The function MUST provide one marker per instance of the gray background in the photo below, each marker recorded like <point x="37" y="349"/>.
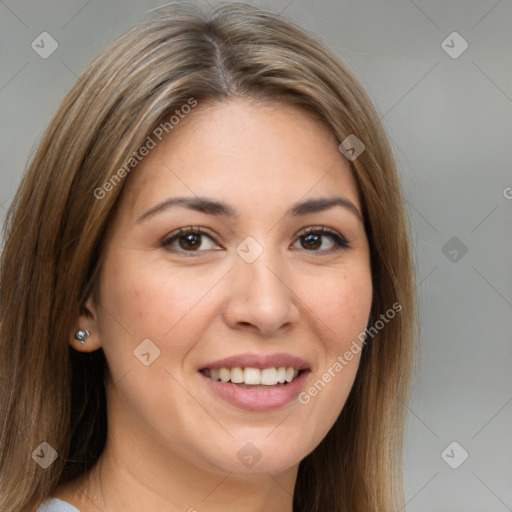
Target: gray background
<point x="449" y="121"/>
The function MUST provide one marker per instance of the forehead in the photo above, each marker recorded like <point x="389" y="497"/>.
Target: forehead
<point x="257" y="155"/>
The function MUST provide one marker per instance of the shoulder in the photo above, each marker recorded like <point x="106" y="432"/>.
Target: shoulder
<point x="56" y="505"/>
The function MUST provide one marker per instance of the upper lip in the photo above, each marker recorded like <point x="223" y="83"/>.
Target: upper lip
<point x="259" y="361"/>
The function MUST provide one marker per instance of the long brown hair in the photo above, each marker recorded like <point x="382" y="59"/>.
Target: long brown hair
<point x="56" y="225"/>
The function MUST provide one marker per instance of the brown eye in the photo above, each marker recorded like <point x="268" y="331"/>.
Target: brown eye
<point x="312" y="241"/>
<point x="314" y="238"/>
<point x="188" y="240"/>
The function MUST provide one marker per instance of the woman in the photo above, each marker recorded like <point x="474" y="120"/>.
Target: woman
<point x="207" y="290"/>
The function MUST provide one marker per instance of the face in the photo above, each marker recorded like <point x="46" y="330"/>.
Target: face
<point x="249" y="273"/>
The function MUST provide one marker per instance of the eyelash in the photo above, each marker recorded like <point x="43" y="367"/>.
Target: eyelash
<point x="340" y="242"/>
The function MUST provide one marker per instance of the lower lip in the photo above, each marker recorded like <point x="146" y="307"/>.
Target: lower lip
<point x="258" y="399"/>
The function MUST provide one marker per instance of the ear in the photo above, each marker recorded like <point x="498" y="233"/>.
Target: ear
<point x="86" y="320"/>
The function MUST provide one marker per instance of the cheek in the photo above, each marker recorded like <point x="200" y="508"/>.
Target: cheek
<point x="152" y="301"/>
<point x="342" y="306"/>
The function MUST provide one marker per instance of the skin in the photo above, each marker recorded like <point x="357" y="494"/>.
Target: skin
<point x="172" y="444"/>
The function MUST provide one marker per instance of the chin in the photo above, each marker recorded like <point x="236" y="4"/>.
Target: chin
<point x="263" y="454"/>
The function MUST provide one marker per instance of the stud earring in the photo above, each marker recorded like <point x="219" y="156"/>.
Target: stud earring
<point x="81" y="335"/>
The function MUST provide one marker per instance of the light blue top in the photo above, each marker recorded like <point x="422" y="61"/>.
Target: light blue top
<point x="56" y="505"/>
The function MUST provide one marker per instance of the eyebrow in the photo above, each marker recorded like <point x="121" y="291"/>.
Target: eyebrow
<point x="213" y="207"/>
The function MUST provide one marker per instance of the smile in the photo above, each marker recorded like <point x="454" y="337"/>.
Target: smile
<point x="253" y="378"/>
<point x="255" y="397"/>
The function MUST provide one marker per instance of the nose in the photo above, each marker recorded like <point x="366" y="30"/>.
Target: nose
<point x="261" y="296"/>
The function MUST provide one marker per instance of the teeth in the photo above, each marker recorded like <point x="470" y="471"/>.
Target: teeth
<point x="237" y="375"/>
<point x="269" y="376"/>
<point x="224" y="374"/>
<point x="253" y="376"/>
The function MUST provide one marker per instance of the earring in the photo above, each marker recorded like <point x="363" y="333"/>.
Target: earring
<point x="81" y="335"/>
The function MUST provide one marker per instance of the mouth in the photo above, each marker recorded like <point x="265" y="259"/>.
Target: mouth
<point x="256" y="382"/>
<point x="254" y="378"/>
<point x="255" y="389"/>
